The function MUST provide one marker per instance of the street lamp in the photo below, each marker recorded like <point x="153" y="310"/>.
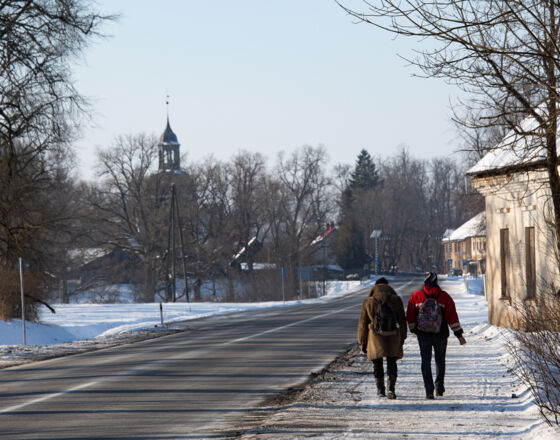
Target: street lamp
<point x="376" y="234"/>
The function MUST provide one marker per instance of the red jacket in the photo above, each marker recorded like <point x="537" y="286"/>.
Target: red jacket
<point x="446" y="304"/>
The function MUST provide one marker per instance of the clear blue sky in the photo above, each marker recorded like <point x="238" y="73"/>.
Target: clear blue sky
<point x="258" y="75"/>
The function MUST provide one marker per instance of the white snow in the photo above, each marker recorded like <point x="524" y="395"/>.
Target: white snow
<point x="73" y="322"/>
<point x="474" y="227"/>
<point x="482" y="400"/>
<point x="518" y="147"/>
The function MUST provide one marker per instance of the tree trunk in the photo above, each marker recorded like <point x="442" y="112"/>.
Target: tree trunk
<point x="554" y="181"/>
<point x="551" y="147"/>
<point x="149" y="283"/>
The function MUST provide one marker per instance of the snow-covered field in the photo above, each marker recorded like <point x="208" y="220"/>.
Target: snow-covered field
<point x="74" y="322"/>
<point x="483" y="400"/>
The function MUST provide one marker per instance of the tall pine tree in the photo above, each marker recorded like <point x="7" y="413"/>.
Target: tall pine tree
<point x="348" y="247"/>
<point x="365" y="175"/>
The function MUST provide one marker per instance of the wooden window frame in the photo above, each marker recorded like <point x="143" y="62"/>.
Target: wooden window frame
<point x="530" y="263"/>
<point x="504" y="262"/>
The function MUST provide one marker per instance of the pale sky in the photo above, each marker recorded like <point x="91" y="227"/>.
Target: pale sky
<point x="258" y="75"/>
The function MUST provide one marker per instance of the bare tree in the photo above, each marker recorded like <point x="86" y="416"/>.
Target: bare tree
<point x="39" y="111"/>
<point x="207" y="221"/>
<point x="299" y="206"/>
<point x="401" y="209"/>
<point x="131" y="205"/>
<point x="341" y="179"/>
<point x="504" y="54"/>
<point x="247" y="173"/>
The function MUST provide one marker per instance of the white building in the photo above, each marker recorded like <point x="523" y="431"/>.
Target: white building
<point x="521" y="257"/>
<point x="465" y="247"/>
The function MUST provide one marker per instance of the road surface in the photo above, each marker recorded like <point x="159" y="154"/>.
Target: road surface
<point x="196" y="384"/>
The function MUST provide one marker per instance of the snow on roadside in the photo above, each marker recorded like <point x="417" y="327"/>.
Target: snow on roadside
<point x="483" y="401"/>
<point x="76" y="322"/>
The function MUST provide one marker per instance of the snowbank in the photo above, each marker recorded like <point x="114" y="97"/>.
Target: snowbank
<point x="73" y="322"/>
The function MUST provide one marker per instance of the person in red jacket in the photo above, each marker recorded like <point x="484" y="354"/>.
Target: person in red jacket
<point x="434" y="340"/>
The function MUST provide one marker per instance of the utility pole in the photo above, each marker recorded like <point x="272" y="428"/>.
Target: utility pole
<point x="22" y="300"/>
<point x="175" y="222"/>
<point x="172" y="212"/>
<point x="182" y="244"/>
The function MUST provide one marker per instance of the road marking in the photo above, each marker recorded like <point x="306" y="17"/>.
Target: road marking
<point x="404" y="285"/>
<point x="245" y="338"/>
<point x="50" y="396"/>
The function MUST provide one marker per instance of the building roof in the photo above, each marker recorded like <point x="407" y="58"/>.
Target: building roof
<point x="447" y="234"/>
<point x="329" y="230"/>
<point x="168" y="137"/>
<point x="518" y="149"/>
<point x="475" y="227"/>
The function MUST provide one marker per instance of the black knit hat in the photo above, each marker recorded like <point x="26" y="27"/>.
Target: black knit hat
<point x="431" y="279"/>
<point x="381" y="280"/>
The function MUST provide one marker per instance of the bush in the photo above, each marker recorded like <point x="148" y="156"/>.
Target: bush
<point x="536" y="351"/>
<point x="10" y="294"/>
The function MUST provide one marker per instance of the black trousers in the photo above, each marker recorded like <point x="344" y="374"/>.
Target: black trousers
<point x="437" y="344"/>
<point x="391" y="367"/>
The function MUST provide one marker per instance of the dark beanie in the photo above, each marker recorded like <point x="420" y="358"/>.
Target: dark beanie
<point x="431" y="279"/>
<point x="381" y="280"/>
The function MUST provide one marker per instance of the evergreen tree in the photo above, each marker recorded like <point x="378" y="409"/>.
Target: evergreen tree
<point x="348" y="247"/>
<point x="365" y="175"/>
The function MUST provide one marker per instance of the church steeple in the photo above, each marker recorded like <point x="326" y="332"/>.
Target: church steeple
<point x="168" y="148"/>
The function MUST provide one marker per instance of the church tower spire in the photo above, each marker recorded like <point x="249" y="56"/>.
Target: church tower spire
<point x="168" y="148"/>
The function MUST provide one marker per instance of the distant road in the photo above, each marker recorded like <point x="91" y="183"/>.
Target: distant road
<point x="191" y="385"/>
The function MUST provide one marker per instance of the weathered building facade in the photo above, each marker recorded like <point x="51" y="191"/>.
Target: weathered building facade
<point x="521" y="256"/>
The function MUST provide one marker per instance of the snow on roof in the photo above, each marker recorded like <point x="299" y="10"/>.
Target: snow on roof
<point x="475" y="227"/>
<point x="447" y="233"/>
<point x="330" y="229"/>
<point x="518" y="147"/>
<point x="87" y="255"/>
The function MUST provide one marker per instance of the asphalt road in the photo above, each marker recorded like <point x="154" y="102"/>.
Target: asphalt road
<point x="196" y="384"/>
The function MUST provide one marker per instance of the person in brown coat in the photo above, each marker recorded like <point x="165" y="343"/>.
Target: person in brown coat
<point x="377" y="346"/>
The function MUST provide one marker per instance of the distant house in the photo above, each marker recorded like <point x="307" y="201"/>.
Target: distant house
<point x="321" y="248"/>
<point x="321" y="256"/>
<point x="465" y="247"/>
<point x="521" y="256"/>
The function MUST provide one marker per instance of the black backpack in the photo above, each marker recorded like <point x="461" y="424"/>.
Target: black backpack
<point x="385" y="321"/>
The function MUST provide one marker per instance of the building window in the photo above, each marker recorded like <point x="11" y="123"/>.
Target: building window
<point x="530" y="273"/>
<point x="504" y="261"/>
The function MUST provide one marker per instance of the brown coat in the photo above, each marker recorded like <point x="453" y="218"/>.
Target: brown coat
<point x="381" y="346"/>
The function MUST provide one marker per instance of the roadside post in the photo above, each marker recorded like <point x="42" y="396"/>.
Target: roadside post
<point x="161" y="313"/>
<point x="283" y="274"/>
<point x="22" y="300"/>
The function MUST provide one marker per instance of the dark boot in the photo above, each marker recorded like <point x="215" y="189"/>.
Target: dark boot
<point x="391" y="381"/>
<point x="380" y="386"/>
